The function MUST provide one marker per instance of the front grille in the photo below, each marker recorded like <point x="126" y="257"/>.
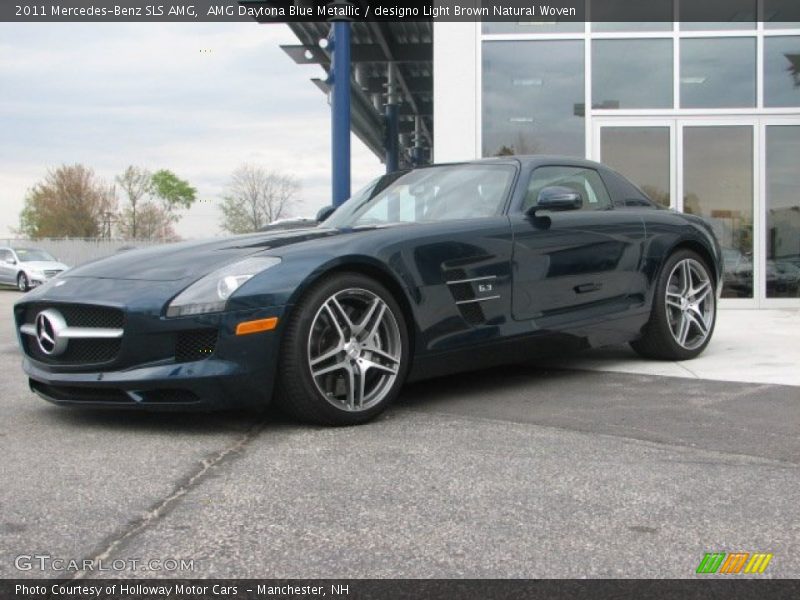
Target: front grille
<point x="195" y="344"/>
<point x="82" y="351"/>
<point x="81" y="315"/>
<point x="78" y="352"/>
<point x="52" y="272"/>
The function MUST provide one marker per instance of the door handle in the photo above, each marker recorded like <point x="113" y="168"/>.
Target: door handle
<point x="587" y="287"/>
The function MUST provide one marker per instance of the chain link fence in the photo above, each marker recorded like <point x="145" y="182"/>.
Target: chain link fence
<point x="74" y="251"/>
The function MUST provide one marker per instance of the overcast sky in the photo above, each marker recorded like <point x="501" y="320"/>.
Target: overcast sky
<point x="198" y="99"/>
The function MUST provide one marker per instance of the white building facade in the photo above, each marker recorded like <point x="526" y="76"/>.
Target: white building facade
<point x="703" y="116"/>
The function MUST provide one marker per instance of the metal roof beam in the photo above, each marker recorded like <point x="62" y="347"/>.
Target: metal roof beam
<point x="377" y="85"/>
<point x="305" y="54"/>
<point x="381" y="34"/>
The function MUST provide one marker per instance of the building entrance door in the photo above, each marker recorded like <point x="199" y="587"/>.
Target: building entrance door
<point x="734" y="172"/>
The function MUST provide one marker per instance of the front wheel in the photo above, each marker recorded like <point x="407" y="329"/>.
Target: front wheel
<point x="344" y="354"/>
<point x="684" y="310"/>
<point x="23" y="285"/>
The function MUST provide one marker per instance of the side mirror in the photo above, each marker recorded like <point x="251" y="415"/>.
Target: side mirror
<point x="557" y="198"/>
<point x="11" y="261"/>
<point x="324" y="213"/>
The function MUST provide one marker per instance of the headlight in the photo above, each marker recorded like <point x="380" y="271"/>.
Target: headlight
<point x="209" y="294"/>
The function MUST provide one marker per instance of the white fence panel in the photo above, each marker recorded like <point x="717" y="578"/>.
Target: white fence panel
<point x="73" y="252"/>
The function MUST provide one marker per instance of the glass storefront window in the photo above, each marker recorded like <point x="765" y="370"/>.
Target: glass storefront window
<point x="782" y="71"/>
<point x="519" y="27"/>
<point x="718" y="72"/>
<point x="632" y="74"/>
<point x="706" y="15"/>
<point x="634" y="15"/>
<point x="718" y="186"/>
<point x="781" y="14"/>
<point x="642" y="154"/>
<point x="533" y="98"/>
<point x="632" y="26"/>
<point x="783" y="212"/>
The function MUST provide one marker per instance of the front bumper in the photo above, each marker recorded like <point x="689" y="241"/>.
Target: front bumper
<point x="209" y="384"/>
<point x="240" y="372"/>
<point x="37" y="279"/>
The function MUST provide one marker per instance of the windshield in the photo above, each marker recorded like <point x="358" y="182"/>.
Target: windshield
<point x="447" y="193"/>
<point x="31" y="254"/>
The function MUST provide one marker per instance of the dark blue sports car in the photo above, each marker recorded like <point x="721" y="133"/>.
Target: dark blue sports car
<point x="449" y="268"/>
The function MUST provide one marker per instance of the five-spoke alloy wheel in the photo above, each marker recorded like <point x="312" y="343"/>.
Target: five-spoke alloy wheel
<point x="354" y="349"/>
<point x="690" y="303"/>
<point x="345" y="352"/>
<point x="684" y="309"/>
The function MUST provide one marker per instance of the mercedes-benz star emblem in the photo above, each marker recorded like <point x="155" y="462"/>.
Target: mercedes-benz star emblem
<point x="49" y="326"/>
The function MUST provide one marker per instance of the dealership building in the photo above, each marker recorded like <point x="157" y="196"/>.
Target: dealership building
<point x="704" y="116"/>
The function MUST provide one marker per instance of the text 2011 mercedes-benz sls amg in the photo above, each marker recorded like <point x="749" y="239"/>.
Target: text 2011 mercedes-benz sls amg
<point x="448" y="268"/>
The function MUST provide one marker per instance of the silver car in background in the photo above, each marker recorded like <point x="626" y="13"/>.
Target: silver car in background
<point x="25" y="268"/>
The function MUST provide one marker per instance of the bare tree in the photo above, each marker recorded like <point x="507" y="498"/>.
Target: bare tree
<point x="256" y="197"/>
<point x="136" y="183"/>
<point x="154" y="223"/>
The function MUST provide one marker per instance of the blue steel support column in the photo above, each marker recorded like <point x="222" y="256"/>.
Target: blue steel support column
<point x="340" y="112"/>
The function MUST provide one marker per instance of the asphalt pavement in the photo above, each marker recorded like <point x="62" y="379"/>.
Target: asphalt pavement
<point x="522" y="471"/>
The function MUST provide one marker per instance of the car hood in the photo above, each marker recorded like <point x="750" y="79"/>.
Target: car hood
<point x="190" y="260"/>
<point x="44" y="265"/>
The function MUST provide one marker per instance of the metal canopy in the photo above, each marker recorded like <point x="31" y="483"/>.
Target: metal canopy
<point x="375" y="48"/>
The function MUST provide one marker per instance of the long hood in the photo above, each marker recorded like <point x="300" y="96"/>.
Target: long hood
<point x="189" y="260"/>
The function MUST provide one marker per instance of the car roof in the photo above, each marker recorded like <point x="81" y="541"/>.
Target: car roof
<point x="528" y="160"/>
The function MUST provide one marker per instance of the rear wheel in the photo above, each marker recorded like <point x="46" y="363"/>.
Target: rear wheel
<point x="345" y="352"/>
<point x="684" y="310"/>
<point x="23" y="285"/>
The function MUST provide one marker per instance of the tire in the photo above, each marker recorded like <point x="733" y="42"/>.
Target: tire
<point x="683" y="316"/>
<point x="348" y="370"/>
<point x="23" y="285"/>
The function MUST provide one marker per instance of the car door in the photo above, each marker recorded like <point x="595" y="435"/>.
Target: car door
<point x="460" y="257"/>
<point x="573" y="265"/>
<point x="6" y="267"/>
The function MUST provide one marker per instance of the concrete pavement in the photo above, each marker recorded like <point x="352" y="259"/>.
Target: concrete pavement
<point x="523" y="471"/>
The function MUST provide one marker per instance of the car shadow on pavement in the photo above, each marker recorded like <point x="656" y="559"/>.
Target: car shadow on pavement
<point x="494" y="383"/>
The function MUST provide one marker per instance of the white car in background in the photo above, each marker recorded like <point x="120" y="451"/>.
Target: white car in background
<point x="25" y="268"/>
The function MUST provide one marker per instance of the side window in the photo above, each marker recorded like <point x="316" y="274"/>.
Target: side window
<point x="5" y="255"/>
<point x="397" y="206"/>
<point x="626" y="194"/>
<point x="586" y="181"/>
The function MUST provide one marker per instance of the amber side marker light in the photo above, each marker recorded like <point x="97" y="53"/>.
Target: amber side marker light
<point x="257" y="326"/>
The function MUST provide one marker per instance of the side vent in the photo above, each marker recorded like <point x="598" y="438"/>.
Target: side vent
<point x="463" y="292"/>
